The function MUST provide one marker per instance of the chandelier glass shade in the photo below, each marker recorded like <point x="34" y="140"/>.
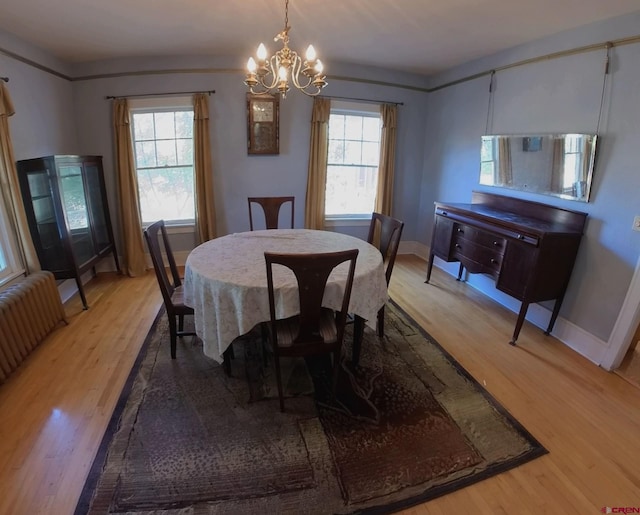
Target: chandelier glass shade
<point x="276" y="73"/>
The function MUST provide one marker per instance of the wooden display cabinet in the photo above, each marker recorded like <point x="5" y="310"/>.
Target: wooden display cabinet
<point x="66" y="207"/>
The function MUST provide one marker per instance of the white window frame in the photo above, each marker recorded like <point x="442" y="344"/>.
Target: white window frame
<point x="9" y="249"/>
<point x="163" y="104"/>
<point x="572" y="155"/>
<point x="356" y="109"/>
<point x="485" y="178"/>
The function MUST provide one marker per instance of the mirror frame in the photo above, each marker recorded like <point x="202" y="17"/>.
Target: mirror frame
<point x="540" y="163"/>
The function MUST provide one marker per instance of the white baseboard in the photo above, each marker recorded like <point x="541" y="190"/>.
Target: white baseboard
<point x="414" y="247"/>
<point x="574" y="337"/>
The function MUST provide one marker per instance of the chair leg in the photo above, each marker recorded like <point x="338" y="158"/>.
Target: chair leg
<point x="381" y="322"/>
<point x="265" y="337"/>
<point x="181" y="323"/>
<point x="280" y="393"/>
<point x="174" y="335"/>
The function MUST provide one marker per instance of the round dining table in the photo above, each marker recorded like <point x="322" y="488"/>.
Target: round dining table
<point x="226" y="282"/>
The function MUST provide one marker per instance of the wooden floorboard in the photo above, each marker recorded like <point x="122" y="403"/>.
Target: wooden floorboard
<point x="55" y="408"/>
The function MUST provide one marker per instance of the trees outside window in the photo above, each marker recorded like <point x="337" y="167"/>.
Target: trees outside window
<point x="163" y="147"/>
<point x="352" y="165"/>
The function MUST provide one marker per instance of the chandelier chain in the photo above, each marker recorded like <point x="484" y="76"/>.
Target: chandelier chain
<point x="286" y="14"/>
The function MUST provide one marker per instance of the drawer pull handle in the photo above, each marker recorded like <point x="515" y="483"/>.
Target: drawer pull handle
<point x="460" y="230"/>
<point x="458" y="246"/>
<point x="496" y="243"/>
<point x="493" y="261"/>
<point x="444" y="213"/>
<point x="521" y="236"/>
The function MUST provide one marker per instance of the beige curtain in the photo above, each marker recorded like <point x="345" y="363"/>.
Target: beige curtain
<point x="505" y="170"/>
<point x="318" y="153"/>
<point x="131" y="224"/>
<point x="203" y="171"/>
<point x="11" y="188"/>
<point x="384" y="195"/>
<point x="557" y="170"/>
<point x="583" y="180"/>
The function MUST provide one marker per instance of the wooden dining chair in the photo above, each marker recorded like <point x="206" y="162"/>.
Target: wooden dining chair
<point x="171" y="288"/>
<point x="385" y="233"/>
<point x="316" y="329"/>
<point x="271" y="208"/>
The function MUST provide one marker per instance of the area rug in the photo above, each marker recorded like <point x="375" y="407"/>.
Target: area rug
<point x="408" y="424"/>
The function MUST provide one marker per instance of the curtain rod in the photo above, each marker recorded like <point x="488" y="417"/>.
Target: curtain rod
<point x="4" y="79"/>
<point x="363" y="100"/>
<point x="210" y="92"/>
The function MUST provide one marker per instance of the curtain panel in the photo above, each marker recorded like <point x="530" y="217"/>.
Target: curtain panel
<point x="11" y="188"/>
<point x="131" y="224"/>
<point x="386" y="167"/>
<point x="557" y="167"/>
<point x="203" y="170"/>
<point x="504" y="171"/>
<point x="318" y="155"/>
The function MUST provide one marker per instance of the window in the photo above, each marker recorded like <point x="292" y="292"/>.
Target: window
<point x="9" y="264"/>
<point x="352" y="166"/>
<point x="163" y="148"/>
<point x="488" y="161"/>
<point x="572" y="161"/>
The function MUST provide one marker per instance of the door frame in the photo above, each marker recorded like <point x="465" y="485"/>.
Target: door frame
<point x="625" y="326"/>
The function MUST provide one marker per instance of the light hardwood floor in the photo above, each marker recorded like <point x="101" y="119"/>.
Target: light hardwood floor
<point x="56" y="406"/>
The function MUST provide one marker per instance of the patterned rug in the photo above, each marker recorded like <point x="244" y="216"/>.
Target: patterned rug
<point x="409" y="424"/>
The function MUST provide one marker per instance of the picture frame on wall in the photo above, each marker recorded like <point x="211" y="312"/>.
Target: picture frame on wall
<point x="263" y="124"/>
<point x="532" y="144"/>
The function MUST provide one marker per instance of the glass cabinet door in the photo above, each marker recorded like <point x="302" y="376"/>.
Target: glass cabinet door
<point x="96" y="206"/>
<point x="49" y="244"/>
<point x="72" y="191"/>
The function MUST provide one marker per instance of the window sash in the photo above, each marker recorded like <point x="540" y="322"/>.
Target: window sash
<point x="160" y="171"/>
<point x="362" y="184"/>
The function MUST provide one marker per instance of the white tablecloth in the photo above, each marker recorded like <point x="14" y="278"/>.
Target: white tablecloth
<point x="226" y="281"/>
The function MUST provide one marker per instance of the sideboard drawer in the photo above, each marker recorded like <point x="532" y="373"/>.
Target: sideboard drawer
<point x="479" y="237"/>
<point x="487" y="260"/>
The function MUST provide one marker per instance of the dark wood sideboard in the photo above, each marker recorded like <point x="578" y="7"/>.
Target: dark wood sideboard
<point x="529" y="248"/>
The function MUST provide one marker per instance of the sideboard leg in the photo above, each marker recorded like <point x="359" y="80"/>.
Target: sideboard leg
<point x="554" y="314"/>
<point x="460" y="270"/>
<point x="519" y="322"/>
<point x="430" y="267"/>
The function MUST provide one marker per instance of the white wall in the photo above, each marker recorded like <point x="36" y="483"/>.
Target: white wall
<point x="560" y="95"/>
<point x="44" y="122"/>
<point x="238" y="175"/>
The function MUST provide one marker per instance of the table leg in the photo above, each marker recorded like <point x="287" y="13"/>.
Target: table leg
<point x="358" y="333"/>
<point x="226" y="363"/>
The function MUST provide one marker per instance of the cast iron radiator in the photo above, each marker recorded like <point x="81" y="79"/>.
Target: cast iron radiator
<point x="29" y="311"/>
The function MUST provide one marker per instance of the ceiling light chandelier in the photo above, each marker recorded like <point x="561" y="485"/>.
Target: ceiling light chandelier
<point x="273" y="73"/>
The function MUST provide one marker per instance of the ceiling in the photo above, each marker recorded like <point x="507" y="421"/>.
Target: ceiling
<point x="422" y="36"/>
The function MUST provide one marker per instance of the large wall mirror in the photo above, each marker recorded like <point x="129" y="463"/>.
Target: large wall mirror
<point x="550" y="164"/>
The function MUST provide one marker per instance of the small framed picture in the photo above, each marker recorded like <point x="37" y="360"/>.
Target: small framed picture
<point x="263" y="124"/>
<point x="532" y="144"/>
